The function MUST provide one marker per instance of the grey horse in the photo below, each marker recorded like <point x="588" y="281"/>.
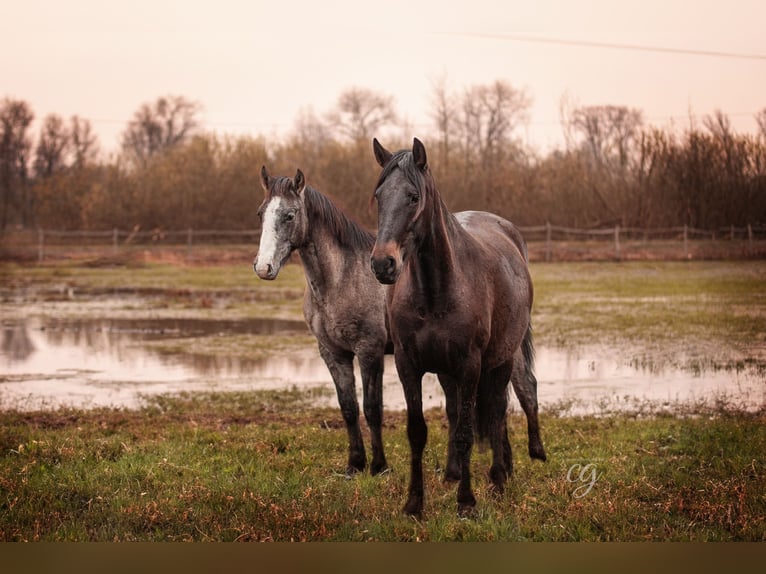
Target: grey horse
<point x="343" y="304"/>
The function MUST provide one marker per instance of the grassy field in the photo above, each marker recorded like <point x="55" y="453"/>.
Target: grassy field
<point x="266" y="466"/>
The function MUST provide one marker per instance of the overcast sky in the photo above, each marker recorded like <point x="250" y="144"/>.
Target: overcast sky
<point x="255" y="65"/>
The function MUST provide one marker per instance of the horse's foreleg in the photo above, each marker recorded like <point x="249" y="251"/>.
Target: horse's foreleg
<point x="449" y="385"/>
<point x="341" y="368"/>
<point x="525" y="386"/>
<point x="372" y="384"/>
<point x="417" y="434"/>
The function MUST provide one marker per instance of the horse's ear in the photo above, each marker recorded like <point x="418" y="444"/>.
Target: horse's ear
<point x="419" y="154"/>
<point x="299" y="182"/>
<point x="264" y="179"/>
<point x="382" y="155"/>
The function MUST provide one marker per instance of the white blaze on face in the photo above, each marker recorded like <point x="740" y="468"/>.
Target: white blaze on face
<point x="268" y="245"/>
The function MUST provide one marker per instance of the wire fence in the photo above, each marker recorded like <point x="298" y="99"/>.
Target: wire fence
<point x="545" y="242"/>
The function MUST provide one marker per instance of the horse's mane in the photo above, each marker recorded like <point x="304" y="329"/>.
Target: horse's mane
<point x="348" y="232"/>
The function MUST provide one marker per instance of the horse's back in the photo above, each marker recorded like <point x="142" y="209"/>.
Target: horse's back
<point x="494" y="231"/>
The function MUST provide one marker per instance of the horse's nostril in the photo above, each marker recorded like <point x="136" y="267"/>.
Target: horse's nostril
<point x="269" y="269"/>
<point x="390" y="262"/>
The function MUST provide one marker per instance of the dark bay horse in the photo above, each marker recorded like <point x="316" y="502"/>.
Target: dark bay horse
<point x="344" y="305"/>
<point x="459" y="306"/>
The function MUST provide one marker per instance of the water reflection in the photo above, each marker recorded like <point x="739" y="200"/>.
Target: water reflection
<point x="111" y="362"/>
<point x="16" y="343"/>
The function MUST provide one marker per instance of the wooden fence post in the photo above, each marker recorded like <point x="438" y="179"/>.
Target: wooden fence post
<point x="40" y="244"/>
<point x="115" y="240"/>
<point x="749" y="239"/>
<point x="686" y="241"/>
<point x="189" y="239"/>
<point x="617" y="241"/>
<point x="547" y="241"/>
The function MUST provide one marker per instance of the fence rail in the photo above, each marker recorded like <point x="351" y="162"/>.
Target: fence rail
<point x="546" y="242"/>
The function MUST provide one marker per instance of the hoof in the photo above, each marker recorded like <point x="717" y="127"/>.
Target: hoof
<point x="377" y="469"/>
<point x="414" y="506"/>
<point x="498" y="476"/>
<point x="352" y="471"/>
<point x="537" y="452"/>
<point x="466" y="511"/>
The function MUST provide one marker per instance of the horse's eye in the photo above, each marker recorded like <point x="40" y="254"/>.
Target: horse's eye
<point x="414" y="198"/>
<point x="289" y="216"/>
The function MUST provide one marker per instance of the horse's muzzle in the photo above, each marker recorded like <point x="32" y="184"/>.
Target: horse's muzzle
<point x="385" y="263"/>
<point x="265" y="270"/>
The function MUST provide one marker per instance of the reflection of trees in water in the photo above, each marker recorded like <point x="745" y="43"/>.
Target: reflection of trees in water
<point x="122" y="340"/>
<point x="16" y="342"/>
<point x="96" y="336"/>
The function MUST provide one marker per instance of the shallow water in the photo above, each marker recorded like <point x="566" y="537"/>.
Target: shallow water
<point x="92" y="363"/>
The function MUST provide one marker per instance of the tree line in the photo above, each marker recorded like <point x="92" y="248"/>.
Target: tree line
<point x="171" y="173"/>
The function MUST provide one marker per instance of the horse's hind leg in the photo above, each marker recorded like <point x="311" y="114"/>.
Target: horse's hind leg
<point x="525" y="386"/>
<point x="494" y="397"/>
<point x="341" y="368"/>
<point x="372" y="385"/>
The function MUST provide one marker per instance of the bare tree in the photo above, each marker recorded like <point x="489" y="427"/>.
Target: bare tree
<point x="360" y="113"/>
<point x="52" y="145"/>
<point x="443" y="113"/>
<point x="83" y="142"/>
<point x="608" y="132"/>
<point x="15" y="118"/>
<point x="719" y="125"/>
<point x="760" y="119"/>
<point x="159" y="126"/>
<point x="489" y="114"/>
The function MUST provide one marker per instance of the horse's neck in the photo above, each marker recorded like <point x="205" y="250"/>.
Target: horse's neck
<point x="434" y="267"/>
<point x="322" y="259"/>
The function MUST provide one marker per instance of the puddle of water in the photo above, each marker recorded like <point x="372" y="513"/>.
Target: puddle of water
<point x="103" y="363"/>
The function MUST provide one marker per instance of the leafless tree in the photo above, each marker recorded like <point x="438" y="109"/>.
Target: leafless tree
<point x="443" y="113"/>
<point x="608" y="132"/>
<point x="760" y="119"/>
<point x="83" y="142"/>
<point x="52" y="145"/>
<point x="719" y="125"/>
<point x="15" y="144"/>
<point x="360" y="113"/>
<point x="489" y="114"/>
<point x="158" y="126"/>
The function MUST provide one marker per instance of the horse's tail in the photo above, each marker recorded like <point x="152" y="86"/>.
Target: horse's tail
<point x="528" y="351"/>
<point x="491" y="403"/>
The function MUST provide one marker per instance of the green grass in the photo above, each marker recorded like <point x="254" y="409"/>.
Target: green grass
<point x="266" y="467"/>
<point x="150" y="276"/>
<point x="152" y="289"/>
<point x="667" y="305"/>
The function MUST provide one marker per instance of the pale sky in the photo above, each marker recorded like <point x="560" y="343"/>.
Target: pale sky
<point x="255" y="65"/>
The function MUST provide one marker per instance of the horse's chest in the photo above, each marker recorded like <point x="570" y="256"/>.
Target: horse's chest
<point x="342" y="326"/>
<point x="434" y="343"/>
